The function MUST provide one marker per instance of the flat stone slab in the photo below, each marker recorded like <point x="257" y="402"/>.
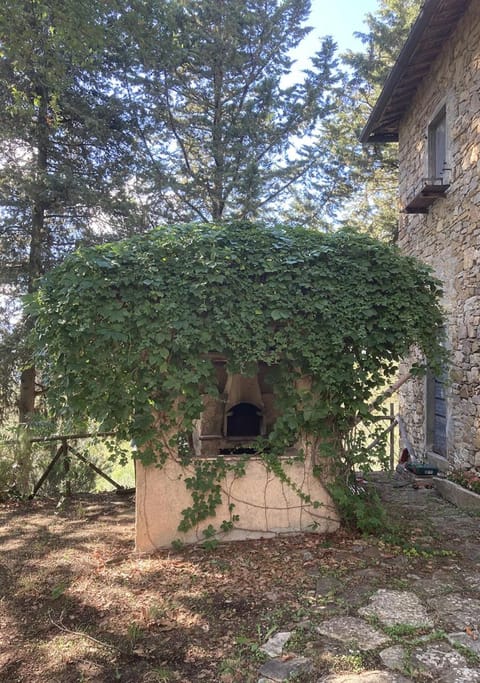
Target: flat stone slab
<point x="394" y="657"/>
<point x="274" y="645"/>
<point x="283" y="669"/>
<point x="444" y="663"/>
<point x="457" y="610"/>
<point x="465" y="640"/>
<point x="327" y="585"/>
<point x="473" y="581"/>
<point x="397" y="607"/>
<point x="366" y="677"/>
<point x="351" y="629"/>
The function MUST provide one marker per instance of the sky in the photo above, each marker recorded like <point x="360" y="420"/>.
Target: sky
<point x="338" y="18"/>
<point x="341" y="18"/>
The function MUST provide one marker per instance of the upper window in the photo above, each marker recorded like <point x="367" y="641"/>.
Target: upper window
<point x="437" y="145"/>
<point x="437" y="182"/>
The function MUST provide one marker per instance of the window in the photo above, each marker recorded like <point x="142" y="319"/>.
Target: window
<point x="437" y="146"/>
<point x="437" y="182"/>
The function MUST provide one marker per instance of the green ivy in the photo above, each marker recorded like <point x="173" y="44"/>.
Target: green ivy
<point x="124" y="331"/>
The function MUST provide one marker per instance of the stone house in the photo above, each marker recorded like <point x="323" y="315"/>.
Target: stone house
<point x="430" y="104"/>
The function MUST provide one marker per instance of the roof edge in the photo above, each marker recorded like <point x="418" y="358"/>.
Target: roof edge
<point x="421" y="23"/>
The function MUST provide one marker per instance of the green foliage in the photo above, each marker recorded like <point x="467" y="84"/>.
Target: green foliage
<point x="469" y="479"/>
<point x="366" y="186"/>
<point x="359" y="509"/>
<point x="66" y="156"/>
<point x="124" y="334"/>
<point x="221" y="134"/>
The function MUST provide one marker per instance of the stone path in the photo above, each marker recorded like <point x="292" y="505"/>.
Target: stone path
<point x="413" y="616"/>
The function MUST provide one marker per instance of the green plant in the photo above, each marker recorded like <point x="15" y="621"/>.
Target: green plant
<point x="210" y="543"/>
<point x="469" y="479"/>
<point x="329" y="315"/>
<point x="402" y="630"/>
<point x="59" y="589"/>
<point x="251" y="648"/>
<point x="133" y="634"/>
<point x="414" y="550"/>
<point x="472" y="657"/>
<point x="160" y="674"/>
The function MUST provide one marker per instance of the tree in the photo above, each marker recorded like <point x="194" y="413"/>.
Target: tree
<point x="222" y="134"/>
<point x="366" y="175"/>
<point x="66" y="152"/>
<point x="339" y="309"/>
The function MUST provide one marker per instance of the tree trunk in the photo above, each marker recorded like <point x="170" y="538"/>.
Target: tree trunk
<point x="38" y="241"/>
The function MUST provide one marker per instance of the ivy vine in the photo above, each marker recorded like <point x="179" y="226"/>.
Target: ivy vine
<point x="124" y="331"/>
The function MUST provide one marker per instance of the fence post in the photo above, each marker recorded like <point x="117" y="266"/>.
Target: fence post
<point x="392" y="438"/>
<point x="66" y="468"/>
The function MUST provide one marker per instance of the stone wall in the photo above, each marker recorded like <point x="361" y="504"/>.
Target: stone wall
<point x="448" y="237"/>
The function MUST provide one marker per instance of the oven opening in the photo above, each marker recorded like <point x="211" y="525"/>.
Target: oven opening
<point x="244" y="419"/>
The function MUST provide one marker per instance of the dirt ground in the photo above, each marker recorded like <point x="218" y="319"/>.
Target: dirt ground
<point x="76" y="603"/>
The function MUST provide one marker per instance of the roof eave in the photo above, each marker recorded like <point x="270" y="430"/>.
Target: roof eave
<point x="368" y="133"/>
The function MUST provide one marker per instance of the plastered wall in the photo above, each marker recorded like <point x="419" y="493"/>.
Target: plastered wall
<point x="266" y="507"/>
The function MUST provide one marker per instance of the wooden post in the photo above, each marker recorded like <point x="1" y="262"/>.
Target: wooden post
<point x="66" y="468"/>
<point x="392" y="438"/>
<point x="38" y="485"/>
<point x="96" y="469"/>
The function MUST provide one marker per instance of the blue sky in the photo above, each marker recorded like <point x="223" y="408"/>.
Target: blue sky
<point x="338" y="18"/>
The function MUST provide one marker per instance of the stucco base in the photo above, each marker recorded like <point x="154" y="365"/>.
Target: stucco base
<point x="266" y="507"/>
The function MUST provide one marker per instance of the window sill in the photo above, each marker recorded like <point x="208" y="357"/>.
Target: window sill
<point x="430" y="190"/>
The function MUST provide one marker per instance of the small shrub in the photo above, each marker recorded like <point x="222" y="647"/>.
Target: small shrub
<point x="469" y="479"/>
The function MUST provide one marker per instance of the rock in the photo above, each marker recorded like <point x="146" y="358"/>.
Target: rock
<point x="283" y="669"/>
<point x="366" y="677"/>
<point x="397" y="607"/>
<point x="307" y="556"/>
<point x="441" y="661"/>
<point x="473" y="581"/>
<point x="328" y="584"/>
<point x="394" y="657"/>
<point x="457" y="610"/>
<point x="274" y="645"/>
<point x="357" y="631"/>
<point x="465" y="640"/>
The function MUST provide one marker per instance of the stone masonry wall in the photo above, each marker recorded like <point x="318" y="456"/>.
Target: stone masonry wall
<point x="448" y="237"/>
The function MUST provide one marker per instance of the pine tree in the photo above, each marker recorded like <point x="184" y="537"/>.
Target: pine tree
<point x="66" y="151"/>
<point x="223" y="136"/>
<point x="374" y="168"/>
<point x="366" y="175"/>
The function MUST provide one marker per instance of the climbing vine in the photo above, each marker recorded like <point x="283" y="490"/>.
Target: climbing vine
<point x="124" y="332"/>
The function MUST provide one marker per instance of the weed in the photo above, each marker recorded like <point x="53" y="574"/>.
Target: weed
<point x="59" y="589"/>
<point x="472" y="658"/>
<point x="251" y="648"/>
<point x="423" y="639"/>
<point x="352" y="663"/>
<point x="160" y="675"/>
<point x="405" y="630"/>
<point x="133" y="634"/>
<point x="178" y="544"/>
<point x="210" y="543"/>
<point x="426" y="553"/>
<point x="230" y="666"/>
